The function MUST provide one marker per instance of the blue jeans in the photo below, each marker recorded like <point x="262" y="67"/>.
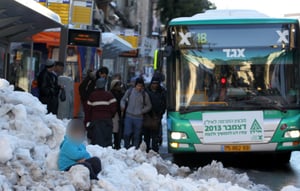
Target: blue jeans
<point x="133" y="128"/>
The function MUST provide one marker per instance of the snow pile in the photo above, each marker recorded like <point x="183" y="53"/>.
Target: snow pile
<point x="290" y="188"/>
<point x="29" y="141"/>
<point x="136" y="170"/>
<point x="80" y="177"/>
<point x="27" y="135"/>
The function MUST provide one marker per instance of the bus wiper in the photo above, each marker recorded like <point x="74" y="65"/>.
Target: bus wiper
<point x="187" y="110"/>
<point x="265" y="101"/>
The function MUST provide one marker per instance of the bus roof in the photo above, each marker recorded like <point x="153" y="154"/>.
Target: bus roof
<point x="229" y="17"/>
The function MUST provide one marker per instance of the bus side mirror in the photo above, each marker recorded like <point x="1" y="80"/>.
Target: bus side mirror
<point x="159" y="54"/>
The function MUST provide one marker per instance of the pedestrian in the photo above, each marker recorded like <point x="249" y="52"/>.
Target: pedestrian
<point x="135" y="103"/>
<point x="48" y="87"/>
<point x="162" y="78"/>
<point x="86" y="87"/>
<point x="152" y="130"/>
<point x="102" y="107"/>
<point x="117" y="91"/>
<point x="118" y="76"/>
<point x="103" y="73"/>
<point x="73" y="151"/>
<point x="15" y="71"/>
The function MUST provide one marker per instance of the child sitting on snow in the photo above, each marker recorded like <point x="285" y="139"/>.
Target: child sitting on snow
<point x="73" y="151"/>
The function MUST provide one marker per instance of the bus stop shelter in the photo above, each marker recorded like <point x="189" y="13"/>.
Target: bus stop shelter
<point x="19" y="20"/>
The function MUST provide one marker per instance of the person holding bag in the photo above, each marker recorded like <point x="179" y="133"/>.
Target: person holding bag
<point x="152" y="120"/>
<point x="48" y="87"/>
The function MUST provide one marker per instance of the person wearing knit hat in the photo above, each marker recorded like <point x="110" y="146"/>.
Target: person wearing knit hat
<point x="117" y="91"/>
<point x="50" y="63"/>
<point x="48" y="87"/>
<point x="102" y="107"/>
<point x="155" y="80"/>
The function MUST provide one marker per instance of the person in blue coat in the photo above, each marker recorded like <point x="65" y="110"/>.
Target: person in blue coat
<point x="73" y="151"/>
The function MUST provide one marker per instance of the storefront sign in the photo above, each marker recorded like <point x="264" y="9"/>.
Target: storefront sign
<point x="82" y="11"/>
<point x="60" y="7"/>
<point x="148" y="47"/>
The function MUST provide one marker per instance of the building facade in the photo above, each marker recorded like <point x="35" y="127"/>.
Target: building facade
<point x="137" y="22"/>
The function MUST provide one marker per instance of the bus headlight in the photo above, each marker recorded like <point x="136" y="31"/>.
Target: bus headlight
<point x="178" y="135"/>
<point x="292" y="134"/>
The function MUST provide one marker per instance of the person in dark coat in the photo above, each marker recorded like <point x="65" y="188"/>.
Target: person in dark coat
<point x="102" y="107"/>
<point x="48" y="87"/>
<point x="157" y="96"/>
<point x="14" y="72"/>
<point x="86" y="87"/>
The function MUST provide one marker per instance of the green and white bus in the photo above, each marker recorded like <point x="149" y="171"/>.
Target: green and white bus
<point x="233" y="79"/>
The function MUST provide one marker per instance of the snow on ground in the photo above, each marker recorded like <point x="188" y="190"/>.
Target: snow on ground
<point x="29" y="141"/>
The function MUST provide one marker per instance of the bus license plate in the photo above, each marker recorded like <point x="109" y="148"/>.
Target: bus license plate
<point x="236" y="148"/>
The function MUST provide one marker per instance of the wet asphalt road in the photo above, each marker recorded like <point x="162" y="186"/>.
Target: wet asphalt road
<point x="273" y="175"/>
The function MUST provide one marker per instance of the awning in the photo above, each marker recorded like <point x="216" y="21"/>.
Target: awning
<point x="113" y="45"/>
<point x="20" y="19"/>
<point x="51" y="38"/>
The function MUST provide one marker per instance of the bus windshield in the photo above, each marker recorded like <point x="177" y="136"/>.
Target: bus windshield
<point x="237" y="66"/>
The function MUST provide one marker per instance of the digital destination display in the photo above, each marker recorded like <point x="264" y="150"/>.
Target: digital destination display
<point x="84" y="38"/>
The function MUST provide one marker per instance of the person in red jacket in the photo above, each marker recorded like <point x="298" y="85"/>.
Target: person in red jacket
<point x="102" y="107"/>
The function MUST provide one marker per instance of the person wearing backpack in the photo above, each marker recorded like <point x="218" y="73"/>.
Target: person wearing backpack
<point x="135" y="103"/>
<point x="152" y="129"/>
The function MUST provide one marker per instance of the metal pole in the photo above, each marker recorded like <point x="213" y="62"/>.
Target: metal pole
<point x="6" y="62"/>
<point x="31" y="65"/>
<point x="31" y="52"/>
<point x="63" y="44"/>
